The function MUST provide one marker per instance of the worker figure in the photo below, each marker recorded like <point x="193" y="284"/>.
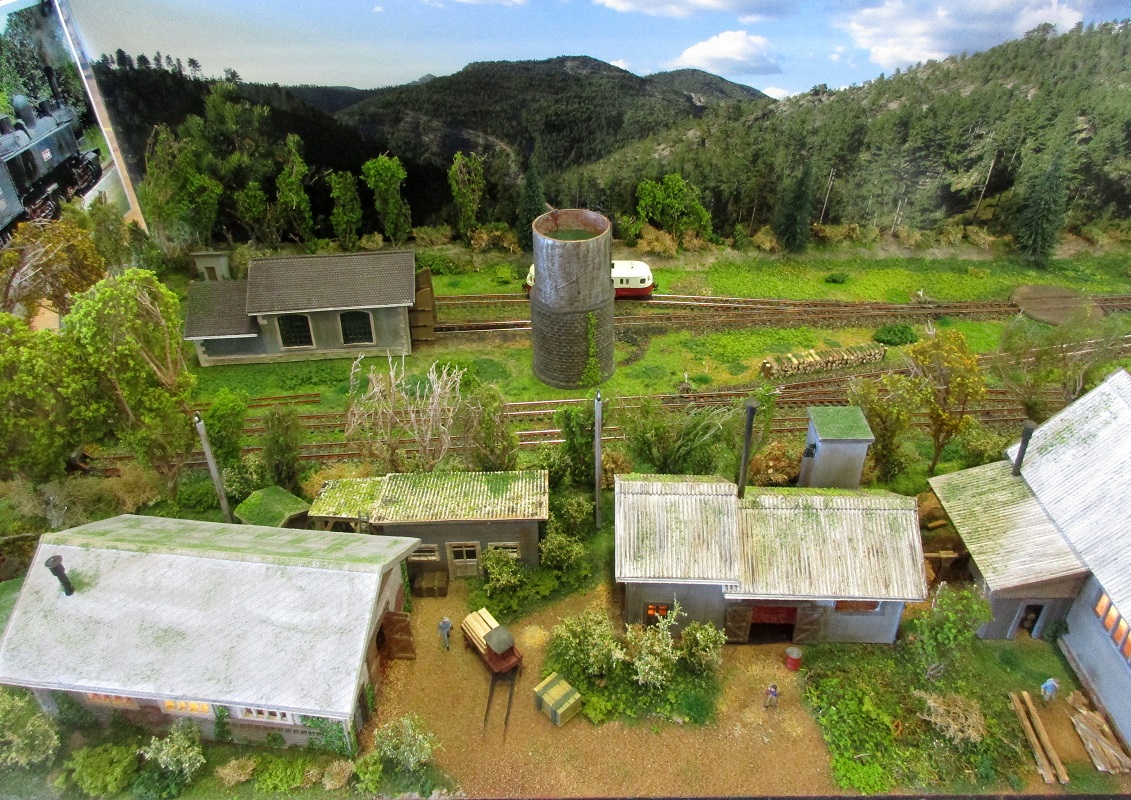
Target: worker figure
<point x="445" y="628"/>
<point x="771" y="697"/>
<point x="1048" y="690"/>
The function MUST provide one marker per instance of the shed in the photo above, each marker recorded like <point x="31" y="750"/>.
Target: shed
<point x="273" y="507"/>
<point x="177" y="618"/>
<point x="835" y="447"/>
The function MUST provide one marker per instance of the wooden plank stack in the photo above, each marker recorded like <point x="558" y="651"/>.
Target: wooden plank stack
<point x="475" y="627"/>
<point x="1048" y="761"/>
<point x="819" y="360"/>
<point x="1101" y="743"/>
<point x="557" y="699"/>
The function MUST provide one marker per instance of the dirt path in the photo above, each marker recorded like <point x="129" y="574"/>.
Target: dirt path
<point x="749" y="751"/>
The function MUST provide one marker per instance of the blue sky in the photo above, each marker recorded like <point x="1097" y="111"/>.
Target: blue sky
<point x="777" y="46"/>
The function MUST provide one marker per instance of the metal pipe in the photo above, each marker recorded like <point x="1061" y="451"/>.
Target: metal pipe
<point x="747" y="435"/>
<point x="597" y="459"/>
<point x="212" y="468"/>
<point x="55" y="564"/>
<point x="1027" y="428"/>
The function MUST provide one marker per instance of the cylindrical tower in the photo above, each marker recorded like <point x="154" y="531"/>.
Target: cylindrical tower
<point x="571" y="303"/>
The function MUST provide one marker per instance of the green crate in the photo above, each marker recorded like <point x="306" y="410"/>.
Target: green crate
<point x="555" y="698"/>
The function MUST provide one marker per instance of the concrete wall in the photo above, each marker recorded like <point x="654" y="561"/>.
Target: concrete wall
<point x="1007" y="606"/>
<point x="525" y="532"/>
<point x="835" y="464"/>
<point x="879" y="626"/>
<point x="1096" y="660"/>
<point x="700" y="602"/>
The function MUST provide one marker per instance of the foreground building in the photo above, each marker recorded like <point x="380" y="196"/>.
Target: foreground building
<point x="168" y="619"/>
<point x="1050" y="544"/>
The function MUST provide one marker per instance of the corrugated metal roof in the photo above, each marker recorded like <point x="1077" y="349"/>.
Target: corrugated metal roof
<point x="1010" y="537"/>
<point x="1079" y="467"/>
<point x="218" y="308"/>
<point x="225" y="614"/>
<point x="348" y="280"/>
<point x="347" y="498"/>
<point x="824" y="544"/>
<point x="451" y="496"/>
<point x="676" y="530"/>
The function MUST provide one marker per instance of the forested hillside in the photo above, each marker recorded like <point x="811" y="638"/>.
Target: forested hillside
<point x="908" y="149"/>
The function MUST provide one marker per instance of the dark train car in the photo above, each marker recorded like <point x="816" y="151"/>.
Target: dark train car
<point x="42" y="163"/>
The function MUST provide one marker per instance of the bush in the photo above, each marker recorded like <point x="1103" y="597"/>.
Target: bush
<point x="431" y="236"/>
<point x="616" y="462"/>
<point x="27" y="734"/>
<point x="368" y="769"/>
<point x="244" y="477"/>
<point x="237" y="771"/>
<point x="555" y="461"/>
<point x="982" y="445"/>
<point x="337" y="774"/>
<point x="224" y="422"/>
<point x="778" y="464"/>
<point x="629" y="228"/>
<point x="103" y="771"/>
<point x="584" y="645"/>
<point x="154" y="783"/>
<point x="742" y="240"/>
<point x="439" y="263"/>
<point x="196" y="491"/>
<point x="701" y="646"/>
<point x="405" y="743"/>
<point x="560" y="551"/>
<point x="654" y="240"/>
<point x="651" y="651"/>
<point x="180" y="752"/>
<point x="494" y="235"/>
<point x="574" y="512"/>
<point x="221" y="730"/>
<point x="895" y="334"/>
<point x="504" y="573"/>
<point x="836" y="277"/>
<point x="765" y="240"/>
<point x="73" y="713"/>
<point x="277" y="774"/>
<point x="282" y="436"/>
<point x="274" y="739"/>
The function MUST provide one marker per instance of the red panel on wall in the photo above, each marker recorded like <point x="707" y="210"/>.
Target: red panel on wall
<point x="774" y="615"/>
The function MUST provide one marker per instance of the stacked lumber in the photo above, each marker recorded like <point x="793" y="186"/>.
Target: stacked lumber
<point x="475" y="627"/>
<point x="1048" y="760"/>
<point x="1099" y="740"/>
<point x="818" y="360"/>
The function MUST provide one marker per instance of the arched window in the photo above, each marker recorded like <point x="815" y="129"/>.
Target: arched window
<point x="357" y="328"/>
<point x="294" y="331"/>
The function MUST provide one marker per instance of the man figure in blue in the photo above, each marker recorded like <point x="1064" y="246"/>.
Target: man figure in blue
<point x="1048" y="690"/>
<point x="445" y="628"/>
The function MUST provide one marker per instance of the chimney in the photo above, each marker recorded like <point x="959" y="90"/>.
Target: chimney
<point x="748" y="433"/>
<point x="1027" y="428"/>
<point x="55" y="564"/>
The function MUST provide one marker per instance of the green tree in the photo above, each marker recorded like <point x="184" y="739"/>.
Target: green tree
<point x="107" y="227"/>
<point x="1041" y="215"/>
<point x="674" y="205"/>
<point x="180" y="753"/>
<point x="282" y="437"/>
<point x="47" y="261"/>
<point x="577" y="423"/>
<point x="294" y="203"/>
<point x="681" y="443"/>
<point x="889" y="404"/>
<point x="791" y="221"/>
<point x="532" y="206"/>
<point x="943" y="633"/>
<point x="384" y="176"/>
<point x="224" y="420"/>
<point x="27" y="734"/>
<point x="258" y="216"/>
<point x="494" y="443"/>
<point x="346" y="216"/>
<point x="465" y="177"/>
<point x="950" y="381"/>
<point x="181" y="202"/>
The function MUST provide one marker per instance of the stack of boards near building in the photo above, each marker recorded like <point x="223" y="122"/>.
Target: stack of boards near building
<point x="809" y="361"/>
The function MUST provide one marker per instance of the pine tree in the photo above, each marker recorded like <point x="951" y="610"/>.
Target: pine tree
<point x="791" y="222"/>
<point x="346" y="216"/>
<point x="1042" y="213"/>
<point x="533" y="206"/>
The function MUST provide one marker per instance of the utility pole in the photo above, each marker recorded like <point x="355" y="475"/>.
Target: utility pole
<point x="212" y="469"/>
<point x="828" y="189"/>
<point x="985" y="186"/>
<point x="597" y="459"/>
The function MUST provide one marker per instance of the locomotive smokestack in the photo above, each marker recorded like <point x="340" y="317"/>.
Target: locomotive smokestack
<point x="6" y="125"/>
<point x="1027" y="428"/>
<point x="747" y="435"/>
<point x="55" y="564"/>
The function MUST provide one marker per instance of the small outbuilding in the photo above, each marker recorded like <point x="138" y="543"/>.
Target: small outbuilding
<point x="165" y="619"/>
<point x="457" y="516"/>
<point x="305" y="307"/>
<point x="273" y="507"/>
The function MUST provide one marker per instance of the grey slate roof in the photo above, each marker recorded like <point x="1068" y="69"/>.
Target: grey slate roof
<point x="225" y="614"/>
<point x="1078" y="466"/>
<point x="317" y="283"/>
<point x="217" y="309"/>
<point x="829" y="545"/>
<point x="676" y="530"/>
<point x="1011" y="538"/>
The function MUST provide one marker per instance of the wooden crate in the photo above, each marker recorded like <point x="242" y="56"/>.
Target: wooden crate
<point x="555" y="698"/>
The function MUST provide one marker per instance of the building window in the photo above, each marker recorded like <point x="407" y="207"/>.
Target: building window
<point x="267" y="715"/>
<point x="357" y="327"/>
<point x="294" y="331"/>
<point x="1115" y="624"/>
<point x="653" y="612"/>
<point x="857" y="606"/>
<point x="188" y="707"/>
<point x="465" y="552"/>
<point x="425" y="552"/>
<point x="510" y="547"/>
<point x="115" y="700"/>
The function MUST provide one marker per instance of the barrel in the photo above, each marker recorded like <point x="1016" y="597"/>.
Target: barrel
<point x="793" y="658"/>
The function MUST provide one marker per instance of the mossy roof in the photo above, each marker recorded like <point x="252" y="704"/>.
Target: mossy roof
<point x="840" y="422"/>
<point x="225" y="614"/>
<point x="347" y="498"/>
<point x="272" y="507"/>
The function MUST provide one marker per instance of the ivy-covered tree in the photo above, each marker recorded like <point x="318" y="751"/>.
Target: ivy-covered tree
<point x="465" y="177"/>
<point x="384" y="176"/>
<point x="346" y="216"/>
<point x="795" y="208"/>
<point x="282" y="436"/>
<point x="1041" y="215"/>
<point x="294" y="203"/>
<point x="950" y="381"/>
<point x="889" y="404"/>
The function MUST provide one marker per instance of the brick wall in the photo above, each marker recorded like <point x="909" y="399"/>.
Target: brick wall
<point x="561" y="345"/>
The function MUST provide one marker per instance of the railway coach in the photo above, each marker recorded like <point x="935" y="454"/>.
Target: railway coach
<point x="630" y="279"/>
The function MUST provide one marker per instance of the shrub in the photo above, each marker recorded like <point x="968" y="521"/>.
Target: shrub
<point x="277" y="774"/>
<point x="371" y="241"/>
<point x="72" y="713"/>
<point x="613" y="463"/>
<point x="282" y="437"/>
<point x="368" y="769"/>
<point x="439" y="263"/>
<point x="944" y="632"/>
<point x="180" y="752"/>
<point x="651" y="650"/>
<point x="154" y="783"/>
<point x="895" y="334"/>
<point x="654" y="240"/>
<point x="494" y="235"/>
<point x="195" y="490"/>
<point x="778" y="464"/>
<point x="554" y="460"/>
<point x="337" y="774"/>
<point x="27" y="734"/>
<point x="405" y="743"/>
<point x="765" y="240"/>
<point x="574" y="512"/>
<point x="836" y="277"/>
<point x="431" y="236"/>
<point x="312" y="484"/>
<point x="701" y="646"/>
<point x="221" y="730"/>
<point x="629" y="228"/>
<point x="274" y="739"/>
<point x="331" y="736"/>
<point x="103" y="771"/>
<point x="583" y="645"/>
<point x="560" y="551"/>
<point x="237" y="771"/>
<point x="982" y="445"/>
<point x="224" y="422"/>
<point x="742" y="241"/>
<point x="504" y="573"/>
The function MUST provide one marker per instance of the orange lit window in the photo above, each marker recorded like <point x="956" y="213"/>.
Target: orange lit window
<point x="1126" y="649"/>
<point x="857" y="606"/>
<point x="653" y="612"/>
<point x="1120" y="632"/>
<point x="187" y="707"/>
<point x="115" y="700"/>
<point x="1111" y="618"/>
<point x="1103" y="605"/>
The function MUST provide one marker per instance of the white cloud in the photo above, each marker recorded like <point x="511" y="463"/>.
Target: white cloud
<point x="378" y="9"/>
<point x="776" y="92"/>
<point x="492" y="2"/>
<point x="749" y="11"/>
<point x="731" y="53"/>
<point x="620" y="62"/>
<point x="836" y="54"/>
<point x="897" y="33"/>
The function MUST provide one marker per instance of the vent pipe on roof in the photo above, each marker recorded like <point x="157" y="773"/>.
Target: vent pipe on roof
<point x="1027" y="428"/>
<point x="747" y="435"/>
<point x="55" y="564"/>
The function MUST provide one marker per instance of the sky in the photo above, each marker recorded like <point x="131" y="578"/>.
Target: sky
<point x="777" y="46"/>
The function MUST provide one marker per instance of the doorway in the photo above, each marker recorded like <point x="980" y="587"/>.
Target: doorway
<point x="1030" y="621"/>
<point x="463" y="559"/>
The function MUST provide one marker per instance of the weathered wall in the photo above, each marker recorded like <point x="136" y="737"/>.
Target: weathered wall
<point x="879" y="626"/>
<point x="700" y="602"/>
<point x="525" y="532"/>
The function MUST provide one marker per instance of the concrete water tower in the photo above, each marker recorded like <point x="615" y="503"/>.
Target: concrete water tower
<point x="571" y="303"/>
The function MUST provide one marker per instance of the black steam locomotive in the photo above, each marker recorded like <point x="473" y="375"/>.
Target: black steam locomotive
<point x="41" y="161"/>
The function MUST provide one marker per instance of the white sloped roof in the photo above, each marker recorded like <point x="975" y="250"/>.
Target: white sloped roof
<point x="675" y="529"/>
<point x="225" y="614"/>
<point x="1078" y="466"/>
<point x="1010" y="537"/>
<point x="823" y="544"/>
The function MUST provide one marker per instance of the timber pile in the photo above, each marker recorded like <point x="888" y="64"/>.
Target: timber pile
<point x="819" y="360"/>
<point x="1048" y="761"/>
<point x="1099" y="740"/>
